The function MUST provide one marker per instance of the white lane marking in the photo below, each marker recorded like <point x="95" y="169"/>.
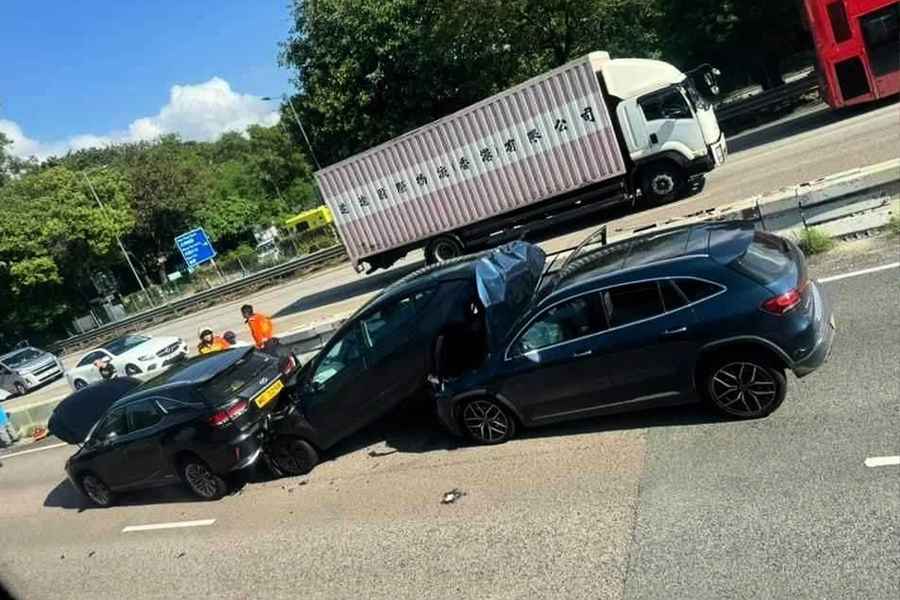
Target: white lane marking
<point x="175" y="525"/>
<point x="41" y="449"/>
<point x="892" y="265"/>
<point x="882" y="461"/>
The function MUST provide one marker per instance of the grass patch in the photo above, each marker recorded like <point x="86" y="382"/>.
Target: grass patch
<point x="894" y="224"/>
<point x="814" y="241"/>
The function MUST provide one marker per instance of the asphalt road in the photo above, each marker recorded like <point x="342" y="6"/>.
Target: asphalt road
<point x="665" y="504"/>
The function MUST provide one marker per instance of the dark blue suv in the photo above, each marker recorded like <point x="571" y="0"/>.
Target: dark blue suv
<point x="718" y="312"/>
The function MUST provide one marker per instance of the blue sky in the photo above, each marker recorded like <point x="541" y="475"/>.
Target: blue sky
<point x="92" y="68"/>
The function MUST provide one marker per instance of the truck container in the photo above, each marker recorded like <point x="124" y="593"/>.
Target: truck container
<point x="547" y="152"/>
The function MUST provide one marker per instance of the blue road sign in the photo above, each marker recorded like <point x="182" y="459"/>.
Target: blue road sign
<point x="195" y="247"/>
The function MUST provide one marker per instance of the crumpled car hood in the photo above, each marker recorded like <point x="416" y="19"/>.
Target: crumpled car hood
<point x="506" y="279"/>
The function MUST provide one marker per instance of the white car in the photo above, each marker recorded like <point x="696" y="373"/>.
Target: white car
<point x="133" y="355"/>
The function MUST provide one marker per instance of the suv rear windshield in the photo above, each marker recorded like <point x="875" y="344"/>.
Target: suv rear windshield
<point x="767" y="258"/>
<point x="225" y="386"/>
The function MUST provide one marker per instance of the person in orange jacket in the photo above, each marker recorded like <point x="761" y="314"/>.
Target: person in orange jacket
<point x="260" y="326"/>
<point x="210" y="343"/>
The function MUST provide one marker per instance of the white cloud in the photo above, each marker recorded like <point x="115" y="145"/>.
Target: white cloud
<point x="200" y="112"/>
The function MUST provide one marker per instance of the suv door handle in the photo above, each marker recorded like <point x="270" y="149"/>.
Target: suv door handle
<point x="669" y="332"/>
<point x="582" y="353"/>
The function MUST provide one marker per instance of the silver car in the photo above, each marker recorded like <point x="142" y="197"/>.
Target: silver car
<point x="24" y="369"/>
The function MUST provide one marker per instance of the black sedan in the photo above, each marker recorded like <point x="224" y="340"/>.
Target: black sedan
<point x="715" y="312"/>
<point x="196" y="423"/>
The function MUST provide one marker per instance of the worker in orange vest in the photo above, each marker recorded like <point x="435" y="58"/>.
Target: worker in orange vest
<point x="210" y="343"/>
<point x="260" y="327"/>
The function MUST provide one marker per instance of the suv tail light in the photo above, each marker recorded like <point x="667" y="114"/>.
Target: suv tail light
<point x="287" y="365"/>
<point x="786" y="302"/>
<point x="227" y="415"/>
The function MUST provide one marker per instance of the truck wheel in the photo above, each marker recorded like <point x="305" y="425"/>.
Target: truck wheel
<point x="443" y="248"/>
<point x="662" y="183"/>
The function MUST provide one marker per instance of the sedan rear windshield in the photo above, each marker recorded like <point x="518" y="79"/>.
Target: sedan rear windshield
<point x="226" y="385"/>
<point x="767" y="258"/>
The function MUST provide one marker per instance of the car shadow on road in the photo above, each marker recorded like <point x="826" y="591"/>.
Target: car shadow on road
<point x="414" y="429"/>
<point x="340" y="293"/>
<point x="65" y="496"/>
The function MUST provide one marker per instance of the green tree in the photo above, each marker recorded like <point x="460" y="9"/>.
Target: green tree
<point x="748" y="41"/>
<point x="53" y="235"/>
<point x="170" y="181"/>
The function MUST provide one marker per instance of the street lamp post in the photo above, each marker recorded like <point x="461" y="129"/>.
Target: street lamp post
<point x="290" y="103"/>
<point x="118" y="240"/>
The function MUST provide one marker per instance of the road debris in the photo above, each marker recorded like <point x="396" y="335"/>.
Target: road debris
<point x="452" y="496"/>
<point x="91" y="554"/>
<point x="181" y="555"/>
<point x="377" y="454"/>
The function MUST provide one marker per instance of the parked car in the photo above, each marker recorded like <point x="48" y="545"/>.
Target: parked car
<point x="198" y="422"/>
<point x="27" y="368"/>
<point x="131" y="355"/>
<point x="718" y="312"/>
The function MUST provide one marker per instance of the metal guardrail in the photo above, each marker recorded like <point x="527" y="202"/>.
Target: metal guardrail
<point x="770" y="100"/>
<point x="191" y="303"/>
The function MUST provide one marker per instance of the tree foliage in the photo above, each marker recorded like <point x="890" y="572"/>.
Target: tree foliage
<point x="54" y="236"/>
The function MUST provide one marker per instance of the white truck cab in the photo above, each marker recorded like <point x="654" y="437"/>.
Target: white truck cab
<point x="669" y="127"/>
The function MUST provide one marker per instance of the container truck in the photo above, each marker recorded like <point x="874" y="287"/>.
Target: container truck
<point x="585" y="136"/>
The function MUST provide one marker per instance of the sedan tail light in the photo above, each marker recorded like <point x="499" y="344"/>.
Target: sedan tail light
<point x="227" y="415"/>
<point x="786" y="302"/>
<point x="287" y="365"/>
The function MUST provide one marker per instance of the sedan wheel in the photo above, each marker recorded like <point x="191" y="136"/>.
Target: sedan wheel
<point x="98" y="492"/>
<point x="487" y="422"/>
<point x="746" y="390"/>
<point x="21" y="390"/>
<point x="79" y="384"/>
<point x="202" y="481"/>
<point x="291" y="456"/>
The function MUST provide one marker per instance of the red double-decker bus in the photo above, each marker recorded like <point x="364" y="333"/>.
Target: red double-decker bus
<point x="858" y="47"/>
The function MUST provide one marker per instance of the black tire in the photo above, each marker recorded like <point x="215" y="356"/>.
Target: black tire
<point x="201" y="480"/>
<point x="486" y="421"/>
<point x="662" y="183"/>
<point x="442" y="249"/>
<point x="132" y="370"/>
<point x="743" y="386"/>
<point x="78" y="384"/>
<point x="21" y="390"/>
<point x="96" y="490"/>
<point x="291" y="456"/>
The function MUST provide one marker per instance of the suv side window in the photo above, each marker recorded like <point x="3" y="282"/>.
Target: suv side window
<point x="91" y="357"/>
<point x="564" y="322"/>
<point x="142" y="415"/>
<point x="669" y="104"/>
<point x="113" y="423"/>
<point x="633" y="302"/>
<point x="348" y="351"/>
<point x="696" y="290"/>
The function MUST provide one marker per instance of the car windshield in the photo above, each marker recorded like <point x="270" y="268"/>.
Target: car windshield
<point x="125" y="343"/>
<point x="22" y="357"/>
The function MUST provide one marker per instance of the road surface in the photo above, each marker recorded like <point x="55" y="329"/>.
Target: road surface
<point x="657" y="505"/>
